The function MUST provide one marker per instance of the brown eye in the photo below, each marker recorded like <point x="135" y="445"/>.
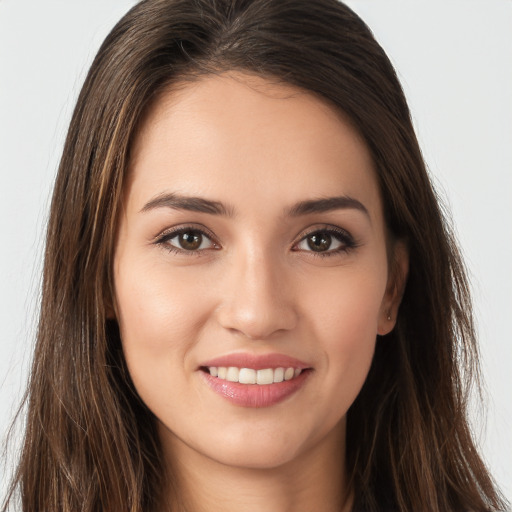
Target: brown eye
<point x="189" y="240"/>
<point x="326" y="242"/>
<point x="319" y="241"/>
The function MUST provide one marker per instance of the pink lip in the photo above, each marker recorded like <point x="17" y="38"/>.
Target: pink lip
<point x="254" y="395"/>
<point x="256" y="362"/>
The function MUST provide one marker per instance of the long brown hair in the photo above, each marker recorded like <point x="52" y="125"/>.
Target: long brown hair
<point x="90" y="443"/>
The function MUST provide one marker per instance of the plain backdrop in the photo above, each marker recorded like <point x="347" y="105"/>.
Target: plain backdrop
<point x="454" y="59"/>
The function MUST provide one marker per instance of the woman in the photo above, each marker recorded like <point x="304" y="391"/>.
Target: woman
<point x="257" y="301"/>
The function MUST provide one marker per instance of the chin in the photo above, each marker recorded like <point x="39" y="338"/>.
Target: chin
<point x="263" y="445"/>
<point x="265" y="455"/>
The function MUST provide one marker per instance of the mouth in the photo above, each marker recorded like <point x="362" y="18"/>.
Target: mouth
<point x="261" y="377"/>
<point x="249" y="380"/>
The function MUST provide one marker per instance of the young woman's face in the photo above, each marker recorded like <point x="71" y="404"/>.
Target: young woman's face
<point x="251" y="270"/>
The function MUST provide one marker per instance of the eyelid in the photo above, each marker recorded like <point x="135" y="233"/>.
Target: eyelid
<point x="342" y="234"/>
<point x="173" y="231"/>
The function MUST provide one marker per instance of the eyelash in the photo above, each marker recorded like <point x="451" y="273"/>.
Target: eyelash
<point x="347" y="241"/>
<point x="164" y="238"/>
<point x="341" y="235"/>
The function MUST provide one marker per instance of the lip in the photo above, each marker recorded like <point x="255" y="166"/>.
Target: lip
<point x="254" y="395"/>
<point x="257" y="362"/>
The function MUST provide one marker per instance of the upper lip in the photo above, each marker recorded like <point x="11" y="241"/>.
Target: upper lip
<point x="256" y="361"/>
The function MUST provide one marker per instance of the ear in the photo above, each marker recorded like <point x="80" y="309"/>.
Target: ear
<point x="397" y="279"/>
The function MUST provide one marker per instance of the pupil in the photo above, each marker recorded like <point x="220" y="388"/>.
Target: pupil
<point x="320" y="242"/>
<point x="191" y="240"/>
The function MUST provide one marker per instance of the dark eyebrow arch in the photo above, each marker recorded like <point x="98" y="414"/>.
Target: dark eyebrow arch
<point x="202" y="205"/>
<point x="193" y="204"/>
<point x="327" y="204"/>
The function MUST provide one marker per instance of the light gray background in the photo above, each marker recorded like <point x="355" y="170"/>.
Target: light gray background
<point x="454" y="58"/>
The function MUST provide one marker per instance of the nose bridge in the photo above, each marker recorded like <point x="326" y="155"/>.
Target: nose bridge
<point x="257" y="300"/>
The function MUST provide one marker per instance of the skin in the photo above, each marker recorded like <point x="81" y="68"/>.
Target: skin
<point x="255" y="286"/>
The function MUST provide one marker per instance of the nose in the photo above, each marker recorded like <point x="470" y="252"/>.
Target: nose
<point x="257" y="297"/>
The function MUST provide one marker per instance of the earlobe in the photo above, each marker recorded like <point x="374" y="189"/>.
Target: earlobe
<point x="399" y="270"/>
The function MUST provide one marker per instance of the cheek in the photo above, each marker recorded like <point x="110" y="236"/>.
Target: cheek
<point x="345" y="325"/>
<point x="155" y="305"/>
<point x="347" y="304"/>
<point x="160" y="314"/>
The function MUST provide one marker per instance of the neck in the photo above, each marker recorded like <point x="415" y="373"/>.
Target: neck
<point x="316" y="480"/>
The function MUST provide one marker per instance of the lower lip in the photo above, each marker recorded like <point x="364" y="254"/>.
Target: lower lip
<point x="255" y="395"/>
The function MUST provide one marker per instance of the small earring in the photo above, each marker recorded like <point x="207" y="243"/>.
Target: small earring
<point x="389" y="316"/>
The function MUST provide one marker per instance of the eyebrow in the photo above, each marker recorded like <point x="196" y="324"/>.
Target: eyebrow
<point x="325" y="205"/>
<point x="190" y="203"/>
<point x="202" y="205"/>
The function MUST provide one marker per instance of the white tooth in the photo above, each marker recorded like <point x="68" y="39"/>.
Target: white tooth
<point x="232" y="374"/>
<point x="288" y="374"/>
<point x="247" y="376"/>
<point x="298" y="371"/>
<point x="213" y="371"/>
<point x="279" y="375"/>
<point x="221" y="372"/>
<point x="265" y="376"/>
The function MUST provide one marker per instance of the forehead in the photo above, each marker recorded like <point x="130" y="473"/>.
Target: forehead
<point x="244" y="139"/>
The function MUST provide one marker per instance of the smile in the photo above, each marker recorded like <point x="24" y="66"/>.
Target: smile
<point x="251" y="380"/>
<point x="263" y="377"/>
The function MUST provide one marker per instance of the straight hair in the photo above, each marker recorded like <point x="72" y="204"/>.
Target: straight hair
<point x="90" y="442"/>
